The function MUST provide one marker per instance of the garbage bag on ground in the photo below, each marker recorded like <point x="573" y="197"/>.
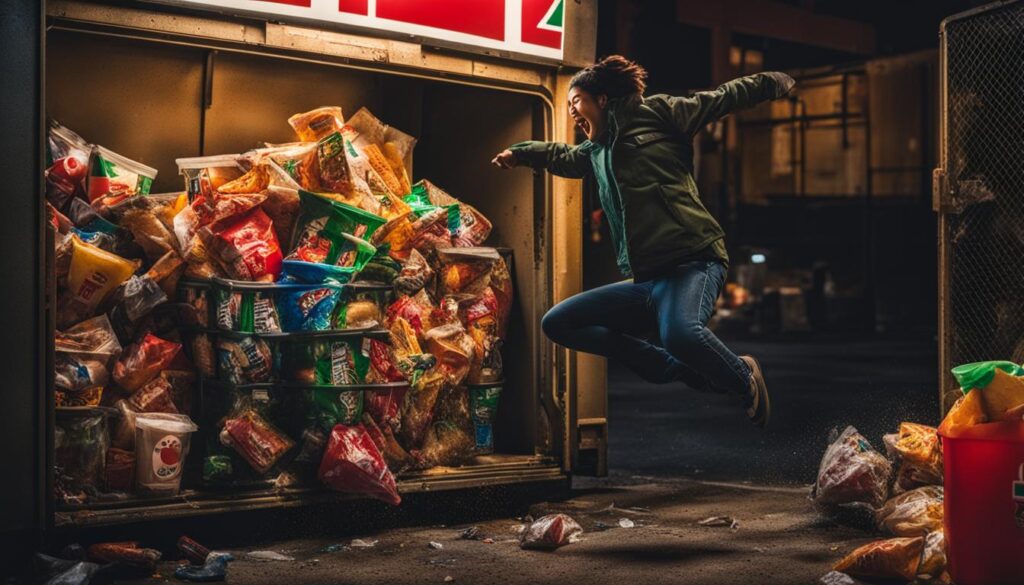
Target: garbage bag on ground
<point x="914" y="513"/>
<point x="852" y="471"/>
<point x="550" y="532"/>
<point x="352" y="463"/>
<point x="893" y="559"/>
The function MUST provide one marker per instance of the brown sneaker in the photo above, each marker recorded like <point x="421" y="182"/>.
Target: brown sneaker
<point x="760" y="407"/>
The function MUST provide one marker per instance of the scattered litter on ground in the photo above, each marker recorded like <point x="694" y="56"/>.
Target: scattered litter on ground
<point x="442" y="562"/>
<point x="626" y="523"/>
<point x="196" y="553"/>
<point x="330" y="548"/>
<point x="435" y="545"/>
<point x="214" y="568"/>
<point x="360" y="543"/>
<point x="837" y="578"/>
<point x="448" y="578"/>
<point x="64" y="572"/>
<point x="550" y="532"/>
<point x="471" y="533"/>
<point x="601" y="526"/>
<point x="613" y="509"/>
<point x="720" y="522"/>
<point x="267" y="555"/>
<point x="760" y="549"/>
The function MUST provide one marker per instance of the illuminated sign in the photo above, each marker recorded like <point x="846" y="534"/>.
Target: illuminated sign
<point x="532" y="27"/>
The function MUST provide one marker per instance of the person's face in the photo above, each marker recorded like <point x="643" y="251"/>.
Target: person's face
<point x="587" y="111"/>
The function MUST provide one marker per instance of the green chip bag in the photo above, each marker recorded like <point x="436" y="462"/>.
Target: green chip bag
<point x="331" y="232"/>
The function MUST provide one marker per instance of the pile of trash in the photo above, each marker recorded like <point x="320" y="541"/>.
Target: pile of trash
<point x="305" y="309"/>
<point x="900" y="492"/>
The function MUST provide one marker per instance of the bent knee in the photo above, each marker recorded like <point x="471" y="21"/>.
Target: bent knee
<point x="554" y="324"/>
<point x="682" y="340"/>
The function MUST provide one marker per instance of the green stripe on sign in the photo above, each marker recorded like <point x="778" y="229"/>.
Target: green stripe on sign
<point x="556" y="17"/>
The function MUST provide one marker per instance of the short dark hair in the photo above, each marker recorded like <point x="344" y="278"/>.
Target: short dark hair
<point x="614" y="76"/>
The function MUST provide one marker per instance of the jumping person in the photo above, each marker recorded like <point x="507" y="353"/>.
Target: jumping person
<point x="640" y="152"/>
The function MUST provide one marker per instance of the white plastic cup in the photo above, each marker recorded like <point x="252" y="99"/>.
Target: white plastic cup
<point x="161" y="445"/>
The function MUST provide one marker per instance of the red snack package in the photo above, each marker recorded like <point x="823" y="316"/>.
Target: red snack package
<point x="259" y="443"/>
<point x="353" y="463"/>
<point x="248" y="247"/>
<point x="382" y="366"/>
<point x="142" y="361"/>
<point x="155" y="396"/>
<point x="386" y="407"/>
<point x="415" y="309"/>
<point x="120" y="469"/>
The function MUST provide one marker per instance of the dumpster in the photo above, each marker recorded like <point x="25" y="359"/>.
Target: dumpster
<point x="163" y="81"/>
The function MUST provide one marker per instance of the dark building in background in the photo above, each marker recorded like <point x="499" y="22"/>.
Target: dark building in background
<point x="829" y="192"/>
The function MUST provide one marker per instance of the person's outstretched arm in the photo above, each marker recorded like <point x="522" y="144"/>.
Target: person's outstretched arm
<point x="691" y="113"/>
<point x="555" y="157"/>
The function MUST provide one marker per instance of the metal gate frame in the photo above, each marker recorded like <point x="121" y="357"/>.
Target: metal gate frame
<point x="955" y="190"/>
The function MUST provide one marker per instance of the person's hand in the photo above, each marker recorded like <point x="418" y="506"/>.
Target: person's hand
<point x="505" y="159"/>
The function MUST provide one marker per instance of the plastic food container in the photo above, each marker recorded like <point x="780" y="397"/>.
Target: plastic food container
<point x="161" y="446"/>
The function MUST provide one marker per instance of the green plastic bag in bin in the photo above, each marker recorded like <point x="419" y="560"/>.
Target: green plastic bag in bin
<point x="980" y="374"/>
<point x="331" y="406"/>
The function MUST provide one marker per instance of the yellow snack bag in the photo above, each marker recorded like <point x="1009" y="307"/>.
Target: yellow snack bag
<point x="1004" y="392"/>
<point x="94" y="274"/>
<point x="967" y="412"/>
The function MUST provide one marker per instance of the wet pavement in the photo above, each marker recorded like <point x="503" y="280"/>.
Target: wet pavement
<point x="676" y="457"/>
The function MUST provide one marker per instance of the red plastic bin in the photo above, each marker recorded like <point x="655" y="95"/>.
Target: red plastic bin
<point x="984" y="504"/>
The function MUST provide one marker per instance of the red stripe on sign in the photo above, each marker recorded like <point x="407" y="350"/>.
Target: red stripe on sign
<point x="533" y="12"/>
<point x="483" y="18"/>
<point x="354" y="6"/>
<point x="303" y="3"/>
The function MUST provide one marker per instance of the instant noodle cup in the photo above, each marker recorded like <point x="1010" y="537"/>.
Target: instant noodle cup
<point x="315" y="124"/>
<point x="92" y="275"/>
<point x="483" y="406"/>
<point x="161" y="446"/>
<point x="113" y="177"/>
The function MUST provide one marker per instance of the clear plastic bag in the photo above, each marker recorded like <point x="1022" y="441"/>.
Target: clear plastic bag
<point x="550" y="532"/>
<point x="316" y="124"/>
<point x="113" y="177"/>
<point x="852" y="471"/>
<point x="68" y="165"/>
<point x="915" y="513"/>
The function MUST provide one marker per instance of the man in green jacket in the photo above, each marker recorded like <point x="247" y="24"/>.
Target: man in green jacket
<point x="640" y="152"/>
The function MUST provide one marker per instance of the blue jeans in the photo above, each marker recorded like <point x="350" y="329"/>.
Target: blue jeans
<point x="619" y="320"/>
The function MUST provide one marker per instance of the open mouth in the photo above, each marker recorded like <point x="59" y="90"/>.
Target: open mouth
<point x="584" y="125"/>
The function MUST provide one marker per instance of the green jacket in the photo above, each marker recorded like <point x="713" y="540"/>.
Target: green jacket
<point x="651" y="140"/>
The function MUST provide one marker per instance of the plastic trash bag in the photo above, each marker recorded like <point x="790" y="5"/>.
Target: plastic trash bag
<point x="352" y="463"/>
<point x="213" y="570"/>
<point x="550" y="532"/>
<point x="933" y="557"/>
<point x="893" y="559"/>
<point x="852" y="471"/>
<point x="914" y="513"/>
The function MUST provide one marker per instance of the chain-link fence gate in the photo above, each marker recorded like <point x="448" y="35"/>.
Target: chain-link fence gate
<point x="979" y="189"/>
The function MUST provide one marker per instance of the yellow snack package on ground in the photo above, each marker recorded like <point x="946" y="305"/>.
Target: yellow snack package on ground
<point x="966" y="412"/>
<point x="914" y="513"/>
<point x="893" y="559"/>
<point x="93" y="274"/>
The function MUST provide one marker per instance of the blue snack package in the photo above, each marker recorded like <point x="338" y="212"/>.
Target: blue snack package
<point x="307" y="307"/>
